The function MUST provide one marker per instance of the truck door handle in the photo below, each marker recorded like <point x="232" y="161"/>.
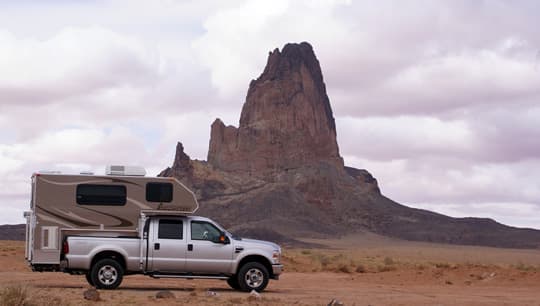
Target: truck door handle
<point x="190" y="247"/>
<point x="156" y="246"/>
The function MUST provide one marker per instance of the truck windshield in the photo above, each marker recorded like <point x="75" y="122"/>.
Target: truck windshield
<point x="233" y="236"/>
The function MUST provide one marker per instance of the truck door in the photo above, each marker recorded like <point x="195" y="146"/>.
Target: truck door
<point x="204" y="253"/>
<point x="167" y="246"/>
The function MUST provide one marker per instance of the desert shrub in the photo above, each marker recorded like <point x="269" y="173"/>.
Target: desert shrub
<point x="344" y="268"/>
<point x="325" y="261"/>
<point x="388" y="261"/>
<point x="14" y="296"/>
<point x="386" y="268"/>
<point x="306" y="252"/>
<point x="291" y="259"/>
<point x="442" y="265"/>
<point x="420" y="267"/>
<point x="21" y="296"/>
<point x="322" y="259"/>
<point x="360" y="269"/>
<point x="523" y="267"/>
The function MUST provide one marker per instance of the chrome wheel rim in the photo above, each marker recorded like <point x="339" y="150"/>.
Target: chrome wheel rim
<point x="254" y="278"/>
<point x="107" y="275"/>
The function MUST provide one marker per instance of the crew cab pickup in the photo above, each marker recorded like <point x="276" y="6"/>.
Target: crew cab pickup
<point x="173" y="246"/>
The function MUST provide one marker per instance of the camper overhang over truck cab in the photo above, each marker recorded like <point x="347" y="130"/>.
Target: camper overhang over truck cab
<point x="120" y="223"/>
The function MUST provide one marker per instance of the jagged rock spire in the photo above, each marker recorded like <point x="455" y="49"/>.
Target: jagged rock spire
<point x="286" y="121"/>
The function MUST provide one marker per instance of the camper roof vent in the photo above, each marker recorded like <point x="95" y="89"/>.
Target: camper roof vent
<point x="125" y="170"/>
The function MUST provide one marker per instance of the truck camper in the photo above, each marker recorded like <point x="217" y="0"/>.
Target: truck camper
<point x="120" y="223"/>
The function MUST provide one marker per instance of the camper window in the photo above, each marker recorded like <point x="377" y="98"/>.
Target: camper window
<point x="170" y="229"/>
<point x="159" y="192"/>
<point x="88" y="194"/>
<point x="48" y="237"/>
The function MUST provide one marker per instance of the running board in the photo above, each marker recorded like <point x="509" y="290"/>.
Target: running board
<point x="189" y="276"/>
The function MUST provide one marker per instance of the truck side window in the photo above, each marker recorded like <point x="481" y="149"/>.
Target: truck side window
<point x="159" y="192"/>
<point x="170" y="229"/>
<point x="89" y="194"/>
<point x="201" y="230"/>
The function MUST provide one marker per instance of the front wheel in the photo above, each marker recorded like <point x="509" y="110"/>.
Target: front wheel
<point x="88" y="276"/>
<point x="107" y="274"/>
<point x="253" y="276"/>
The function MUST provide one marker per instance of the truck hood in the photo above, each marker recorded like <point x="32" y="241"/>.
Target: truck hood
<point x="255" y="242"/>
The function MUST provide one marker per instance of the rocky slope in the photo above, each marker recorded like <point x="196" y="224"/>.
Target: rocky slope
<point x="280" y="173"/>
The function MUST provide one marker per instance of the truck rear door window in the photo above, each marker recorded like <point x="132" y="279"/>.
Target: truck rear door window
<point x="89" y="194"/>
<point x="170" y="229"/>
<point x="159" y="192"/>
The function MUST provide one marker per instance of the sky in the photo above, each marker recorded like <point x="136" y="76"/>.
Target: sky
<point x="439" y="100"/>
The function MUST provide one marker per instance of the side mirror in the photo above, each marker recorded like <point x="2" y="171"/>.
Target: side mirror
<point x="223" y="239"/>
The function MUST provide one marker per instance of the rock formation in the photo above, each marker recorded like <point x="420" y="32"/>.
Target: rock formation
<point x="281" y="175"/>
<point x="286" y="122"/>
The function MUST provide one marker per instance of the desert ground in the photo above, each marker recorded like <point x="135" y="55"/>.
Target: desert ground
<point x="362" y="269"/>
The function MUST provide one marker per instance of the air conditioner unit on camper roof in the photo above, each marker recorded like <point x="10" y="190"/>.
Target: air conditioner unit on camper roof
<point x="125" y="170"/>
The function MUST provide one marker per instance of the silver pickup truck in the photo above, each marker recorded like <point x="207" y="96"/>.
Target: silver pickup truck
<point x="174" y="247"/>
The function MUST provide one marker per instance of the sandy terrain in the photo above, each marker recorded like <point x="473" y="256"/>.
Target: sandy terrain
<point x="358" y="270"/>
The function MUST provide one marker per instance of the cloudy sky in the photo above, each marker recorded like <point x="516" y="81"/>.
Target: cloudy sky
<point x="439" y="100"/>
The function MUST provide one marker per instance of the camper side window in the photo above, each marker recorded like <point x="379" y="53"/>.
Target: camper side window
<point x="170" y="229"/>
<point x="49" y="237"/>
<point x="159" y="192"/>
<point x="88" y="194"/>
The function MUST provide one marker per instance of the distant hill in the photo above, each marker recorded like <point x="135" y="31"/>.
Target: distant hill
<point x="12" y="232"/>
<point x="280" y="172"/>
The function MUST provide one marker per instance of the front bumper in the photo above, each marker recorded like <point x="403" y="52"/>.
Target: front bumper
<point x="276" y="271"/>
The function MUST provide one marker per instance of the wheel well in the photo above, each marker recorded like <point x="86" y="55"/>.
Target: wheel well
<point x="256" y="258"/>
<point x="109" y="254"/>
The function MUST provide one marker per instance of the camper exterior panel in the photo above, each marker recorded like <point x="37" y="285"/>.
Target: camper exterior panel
<point x="56" y="210"/>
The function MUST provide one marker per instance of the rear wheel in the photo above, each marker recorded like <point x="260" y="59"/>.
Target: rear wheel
<point x="107" y="274"/>
<point x="233" y="282"/>
<point x="252" y="276"/>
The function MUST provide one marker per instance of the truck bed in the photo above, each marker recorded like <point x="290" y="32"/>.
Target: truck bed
<point x="83" y="248"/>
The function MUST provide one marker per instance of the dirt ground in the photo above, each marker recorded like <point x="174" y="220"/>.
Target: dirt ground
<point x="358" y="270"/>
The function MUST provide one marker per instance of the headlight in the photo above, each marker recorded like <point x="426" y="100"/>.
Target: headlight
<point x="276" y="256"/>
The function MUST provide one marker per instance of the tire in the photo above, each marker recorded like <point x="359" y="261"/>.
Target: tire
<point x="233" y="282"/>
<point x="107" y="274"/>
<point x="88" y="276"/>
<point x="252" y="276"/>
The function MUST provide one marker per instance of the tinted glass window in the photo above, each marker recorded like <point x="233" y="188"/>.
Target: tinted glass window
<point x="170" y="229"/>
<point x="159" y="192"/>
<point x="88" y="194"/>
<point x="201" y="230"/>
